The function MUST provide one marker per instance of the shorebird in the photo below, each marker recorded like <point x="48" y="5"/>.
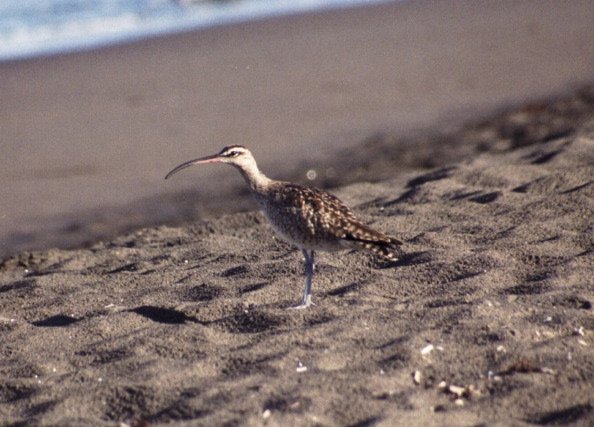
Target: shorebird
<point x="307" y="217"/>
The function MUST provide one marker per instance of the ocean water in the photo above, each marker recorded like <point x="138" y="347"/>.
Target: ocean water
<point x="42" y="27"/>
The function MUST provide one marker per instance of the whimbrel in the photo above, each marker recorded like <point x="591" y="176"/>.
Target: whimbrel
<point x="309" y="218"/>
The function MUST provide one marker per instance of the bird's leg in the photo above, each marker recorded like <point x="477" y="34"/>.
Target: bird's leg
<point x="309" y="269"/>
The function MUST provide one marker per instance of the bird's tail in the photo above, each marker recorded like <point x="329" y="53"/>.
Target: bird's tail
<point x="368" y="239"/>
<point x="387" y="249"/>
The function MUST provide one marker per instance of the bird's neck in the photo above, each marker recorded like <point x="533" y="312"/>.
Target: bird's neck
<point x="257" y="181"/>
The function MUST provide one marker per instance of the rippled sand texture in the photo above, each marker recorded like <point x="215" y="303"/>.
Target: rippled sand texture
<point x="487" y="319"/>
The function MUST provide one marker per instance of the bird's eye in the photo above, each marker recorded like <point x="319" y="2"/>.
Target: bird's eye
<point x="233" y="154"/>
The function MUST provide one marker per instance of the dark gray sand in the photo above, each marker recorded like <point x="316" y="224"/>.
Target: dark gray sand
<point x="486" y="320"/>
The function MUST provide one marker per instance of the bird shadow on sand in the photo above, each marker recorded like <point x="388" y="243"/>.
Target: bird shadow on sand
<point x="243" y="321"/>
<point x="163" y="315"/>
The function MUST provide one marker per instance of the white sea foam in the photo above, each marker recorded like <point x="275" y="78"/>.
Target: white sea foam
<point x="40" y="27"/>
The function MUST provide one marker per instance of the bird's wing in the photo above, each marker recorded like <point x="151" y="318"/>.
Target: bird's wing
<point x="325" y="213"/>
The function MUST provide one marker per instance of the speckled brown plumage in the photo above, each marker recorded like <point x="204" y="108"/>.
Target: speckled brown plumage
<point x="307" y="217"/>
<point x="313" y="219"/>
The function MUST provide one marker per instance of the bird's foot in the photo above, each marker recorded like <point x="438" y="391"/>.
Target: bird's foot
<point x="305" y="302"/>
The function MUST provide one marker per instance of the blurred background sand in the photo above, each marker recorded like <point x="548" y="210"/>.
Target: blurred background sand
<point x="88" y="137"/>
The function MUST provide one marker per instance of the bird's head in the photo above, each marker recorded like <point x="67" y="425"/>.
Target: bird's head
<point x="236" y="155"/>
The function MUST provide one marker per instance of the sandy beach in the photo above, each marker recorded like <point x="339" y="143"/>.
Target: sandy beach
<point x="486" y="319"/>
<point x="465" y="129"/>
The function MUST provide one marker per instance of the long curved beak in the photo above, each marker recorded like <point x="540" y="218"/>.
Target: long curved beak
<point x="208" y="159"/>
